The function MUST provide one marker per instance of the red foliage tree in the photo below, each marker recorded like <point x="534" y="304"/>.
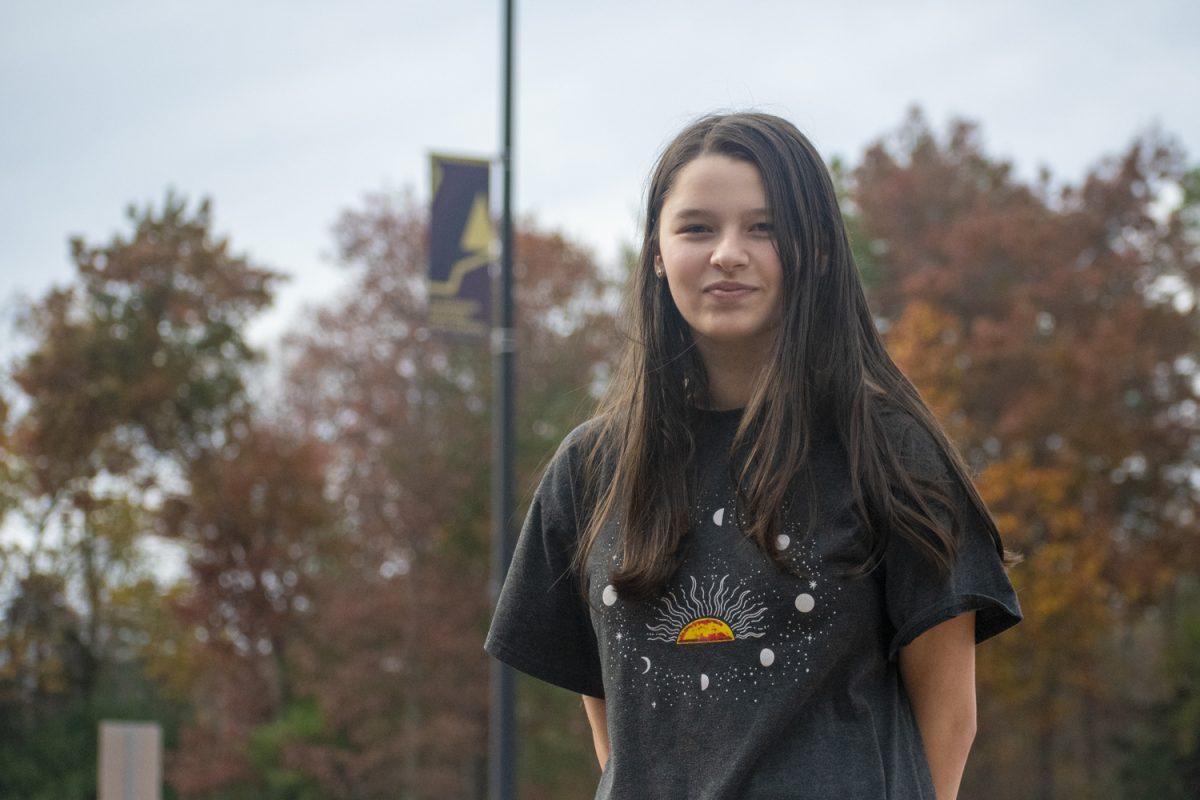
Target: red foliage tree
<point x="259" y="533"/>
<point x="398" y="668"/>
<point x="1055" y="330"/>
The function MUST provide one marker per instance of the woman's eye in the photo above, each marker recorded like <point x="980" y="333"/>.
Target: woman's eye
<point x="763" y="227"/>
<point x="695" y="229"/>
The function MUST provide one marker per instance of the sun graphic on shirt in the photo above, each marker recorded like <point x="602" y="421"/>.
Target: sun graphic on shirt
<point x="708" y="614"/>
<point x="705" y="630"/>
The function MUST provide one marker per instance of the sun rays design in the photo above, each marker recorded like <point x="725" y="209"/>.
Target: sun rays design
<point x="717" y="613"/>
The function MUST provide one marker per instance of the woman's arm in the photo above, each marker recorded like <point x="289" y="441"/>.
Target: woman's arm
<point x="938" y="670"/>
<point x="597" y="714"/>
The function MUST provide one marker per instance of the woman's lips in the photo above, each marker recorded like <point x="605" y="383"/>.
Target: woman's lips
<point x="728" y="290"/>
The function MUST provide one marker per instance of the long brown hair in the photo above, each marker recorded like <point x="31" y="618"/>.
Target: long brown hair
<point x="828" y="367"/>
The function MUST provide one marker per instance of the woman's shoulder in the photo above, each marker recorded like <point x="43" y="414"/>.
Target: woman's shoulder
<point x="568" y="479"/>
<point x="912" y="441"/>
<point x="578" y="448"/>
<point x="900" y="427"/>
<point x="582" y="439"/>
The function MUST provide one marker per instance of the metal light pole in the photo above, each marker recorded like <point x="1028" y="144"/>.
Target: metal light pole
<point x="502" y="740"/>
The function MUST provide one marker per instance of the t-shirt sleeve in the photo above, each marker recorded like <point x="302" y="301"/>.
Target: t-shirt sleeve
<point x="918" y="597"/>
<point x="542" y="625"/>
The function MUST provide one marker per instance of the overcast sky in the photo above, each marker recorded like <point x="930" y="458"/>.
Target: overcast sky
<point x="287" y="113"/>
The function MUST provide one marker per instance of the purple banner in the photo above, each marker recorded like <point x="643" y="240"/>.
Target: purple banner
<point x="460" y="247"/>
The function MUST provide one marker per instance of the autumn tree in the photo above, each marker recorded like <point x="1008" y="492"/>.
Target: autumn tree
<point x="399" y="670"/>
<point x="1054" y="329"/>
<point x="258" y="532"/>
<point x="133" y="368"/>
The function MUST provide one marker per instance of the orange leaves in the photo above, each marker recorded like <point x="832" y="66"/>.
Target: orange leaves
<point x="1017" y="490"/>
<point x="926" y="343"/>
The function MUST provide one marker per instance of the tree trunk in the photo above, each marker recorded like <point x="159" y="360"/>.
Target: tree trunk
<point x="1046" y="756"/>
<point x="90" y="650"/>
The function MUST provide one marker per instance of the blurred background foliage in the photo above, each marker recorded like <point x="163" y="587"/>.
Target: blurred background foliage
<point x="285" y="563"/>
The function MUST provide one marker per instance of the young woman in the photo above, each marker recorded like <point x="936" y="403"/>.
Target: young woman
<point x="762" y="564"/>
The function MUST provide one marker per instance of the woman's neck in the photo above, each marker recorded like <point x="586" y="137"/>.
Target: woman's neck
<point x="731" y="376"/>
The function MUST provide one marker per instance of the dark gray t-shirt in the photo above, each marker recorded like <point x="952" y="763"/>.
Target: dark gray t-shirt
<point x="742" y="680"/>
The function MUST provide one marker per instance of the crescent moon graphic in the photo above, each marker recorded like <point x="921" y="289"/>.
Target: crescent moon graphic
<point x="719" y="516"/>
<point x="647" y="669"/>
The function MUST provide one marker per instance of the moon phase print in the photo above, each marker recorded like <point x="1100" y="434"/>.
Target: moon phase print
<point x="730" y="626"/>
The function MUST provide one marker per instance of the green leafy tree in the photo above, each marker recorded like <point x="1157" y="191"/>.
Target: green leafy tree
<point x="1162" y="749"/>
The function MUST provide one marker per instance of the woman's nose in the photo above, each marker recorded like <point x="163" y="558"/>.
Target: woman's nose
<point x="730" y="252"/>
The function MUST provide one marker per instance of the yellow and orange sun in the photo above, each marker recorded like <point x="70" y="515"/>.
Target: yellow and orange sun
<point x="714" y="613"/>
<point x="705" y="630"/>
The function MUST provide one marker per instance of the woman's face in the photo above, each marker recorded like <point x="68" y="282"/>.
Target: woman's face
<point x="717" y="253"/>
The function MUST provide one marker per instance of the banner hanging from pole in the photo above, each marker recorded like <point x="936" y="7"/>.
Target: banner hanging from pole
<point x="460" y="246"/>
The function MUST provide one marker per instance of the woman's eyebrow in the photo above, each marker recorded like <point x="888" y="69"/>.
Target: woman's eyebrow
<point x="685" y="213"/>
